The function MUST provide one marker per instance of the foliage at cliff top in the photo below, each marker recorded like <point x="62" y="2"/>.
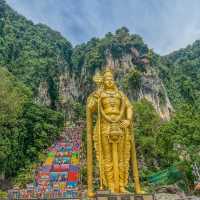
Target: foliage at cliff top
<point x="180" y="72"/>
<point x="92" y="54"/>
<point x="33" y="53"/>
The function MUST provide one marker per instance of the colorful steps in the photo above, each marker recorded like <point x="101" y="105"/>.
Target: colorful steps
<point x="59" y="176"/>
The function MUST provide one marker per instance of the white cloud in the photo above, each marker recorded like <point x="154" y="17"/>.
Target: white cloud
<point x="165" y="25"/>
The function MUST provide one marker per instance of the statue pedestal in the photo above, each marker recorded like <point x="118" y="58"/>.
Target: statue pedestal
<point x="106" y="195"/>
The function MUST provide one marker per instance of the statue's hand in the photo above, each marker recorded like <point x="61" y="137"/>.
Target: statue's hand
<point x="125" y="123"/>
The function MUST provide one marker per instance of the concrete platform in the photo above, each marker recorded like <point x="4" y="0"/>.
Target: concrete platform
<point x="105" y="195"/>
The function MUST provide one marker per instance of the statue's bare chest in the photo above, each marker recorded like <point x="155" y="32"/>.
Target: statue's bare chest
<point x="111" y="102"/>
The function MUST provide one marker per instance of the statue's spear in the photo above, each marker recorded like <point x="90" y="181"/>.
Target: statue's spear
<point x="89" y="153"/>
<point x="100" y="147"/>
<point x="98" y="80"/>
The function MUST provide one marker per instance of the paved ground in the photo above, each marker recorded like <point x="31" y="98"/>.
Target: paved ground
<point x="165" y="196"/>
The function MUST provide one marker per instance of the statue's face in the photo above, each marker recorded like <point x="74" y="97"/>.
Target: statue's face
<point x="109" y="82"/>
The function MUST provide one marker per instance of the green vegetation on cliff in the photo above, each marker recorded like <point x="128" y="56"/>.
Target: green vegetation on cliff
<point x="26" y="128"/>
<point x="180" y="72"/>
<point x="92" y="55"/>
<point x="163" y="144"/>
<point x="33" y="53"/>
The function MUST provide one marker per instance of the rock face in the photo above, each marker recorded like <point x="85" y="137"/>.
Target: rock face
<point x="151" y="86"/>
<point x="76" y="88"/>
<point x="68" y="88"/>
<point x="154" y="91"/>
<point x="43" y="96"/>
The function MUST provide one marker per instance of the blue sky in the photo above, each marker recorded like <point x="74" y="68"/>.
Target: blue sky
<point x="165" y="25"/>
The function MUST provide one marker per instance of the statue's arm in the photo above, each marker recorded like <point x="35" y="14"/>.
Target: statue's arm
<point x="129" y="109"/>
<point x="90" y="109"/>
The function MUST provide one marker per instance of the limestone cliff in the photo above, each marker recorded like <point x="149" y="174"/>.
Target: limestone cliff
<point x="43" y="96"/>
<point x="134" y="66"/>
<point x="76" y="88"/>
<point x="150" y="87"/>
<point x="60" y="76"/>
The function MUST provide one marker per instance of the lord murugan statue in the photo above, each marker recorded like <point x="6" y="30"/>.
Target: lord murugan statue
<point x="111" y="137"/>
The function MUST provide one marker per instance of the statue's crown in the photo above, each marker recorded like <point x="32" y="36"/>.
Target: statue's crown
<point x="108" y="72"/>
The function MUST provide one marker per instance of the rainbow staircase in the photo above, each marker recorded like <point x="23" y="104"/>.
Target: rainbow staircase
<point x="59" y="176"/>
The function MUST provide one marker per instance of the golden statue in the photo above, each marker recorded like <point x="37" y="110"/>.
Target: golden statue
<point x="112" y="136"/>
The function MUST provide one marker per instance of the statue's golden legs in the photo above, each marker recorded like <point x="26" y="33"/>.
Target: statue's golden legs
<point x="122" y="165"/>
<point x="127" y="155"/>
<point x="108" y="165"/>
<point x="116" y="166"/>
